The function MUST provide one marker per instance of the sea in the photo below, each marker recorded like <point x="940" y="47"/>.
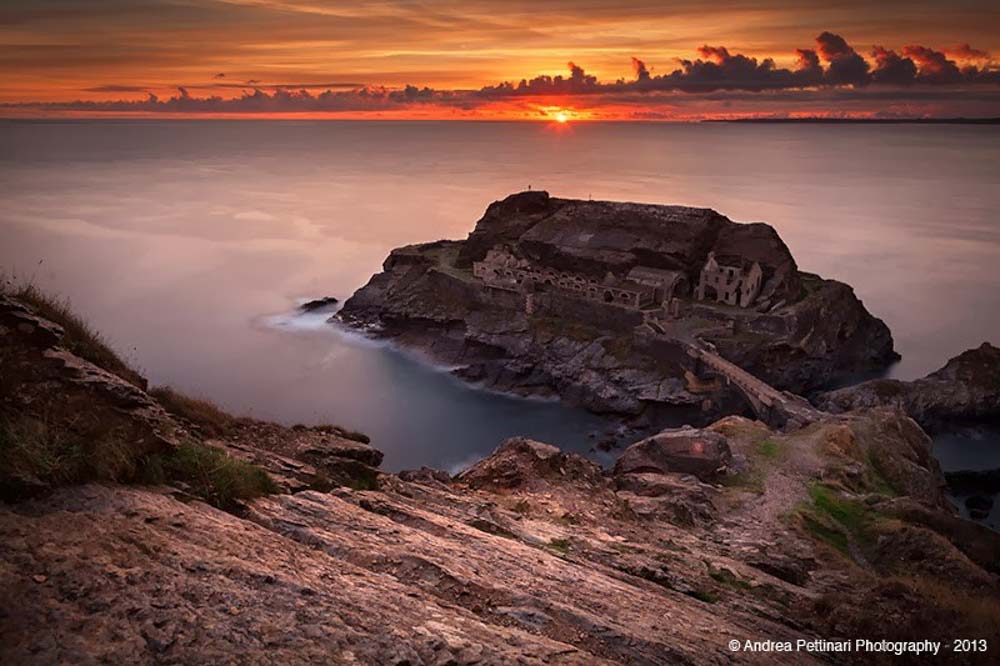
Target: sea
<point x="190" y="244"/>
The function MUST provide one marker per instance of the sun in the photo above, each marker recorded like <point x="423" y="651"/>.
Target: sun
<point x="562" y="117"/>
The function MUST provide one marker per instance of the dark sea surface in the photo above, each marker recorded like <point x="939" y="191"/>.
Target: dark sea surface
<point x="188" y="243"/>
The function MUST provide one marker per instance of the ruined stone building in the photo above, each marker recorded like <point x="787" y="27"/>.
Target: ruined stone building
<point x="666" y="284"/>
<point x="733" y="285"/>
<point x="502" y="270"/>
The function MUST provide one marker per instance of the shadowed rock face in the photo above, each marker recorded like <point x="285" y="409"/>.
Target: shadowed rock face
<point x="966" y="389"/>
<point x="803" y="332"/>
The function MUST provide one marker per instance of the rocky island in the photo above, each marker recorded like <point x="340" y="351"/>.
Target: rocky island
<point x="642" y="311"/>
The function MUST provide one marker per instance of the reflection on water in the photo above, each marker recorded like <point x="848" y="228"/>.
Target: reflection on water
<point x="175" y="237"/>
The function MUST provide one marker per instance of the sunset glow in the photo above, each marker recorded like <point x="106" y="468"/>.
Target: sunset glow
<point x="496" y="61"/>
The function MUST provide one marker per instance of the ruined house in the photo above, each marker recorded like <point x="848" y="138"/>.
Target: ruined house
<point x="501" y="269"/>
<point x="733" y="285"/>
<point x="667" y="284"/>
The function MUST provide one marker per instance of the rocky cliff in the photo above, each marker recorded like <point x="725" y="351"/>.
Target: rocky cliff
<point x="696" y="538"/>
<point x="801" y="332"/>
<point x="965" y="390"/>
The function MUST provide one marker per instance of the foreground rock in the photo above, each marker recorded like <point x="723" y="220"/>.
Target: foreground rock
<point x="966" y="389"/>
<point x="703" y="453"/>
<point x="599" y="303"/>
<point x="530" y="556"/>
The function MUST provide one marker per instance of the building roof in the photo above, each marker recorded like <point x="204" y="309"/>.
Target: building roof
<point x="661" y="275"/>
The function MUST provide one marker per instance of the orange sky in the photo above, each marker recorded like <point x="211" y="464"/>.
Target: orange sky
<point x="101" y="51"/>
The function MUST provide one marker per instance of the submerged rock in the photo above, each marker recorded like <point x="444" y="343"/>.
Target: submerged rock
<point x="319" y="304"/>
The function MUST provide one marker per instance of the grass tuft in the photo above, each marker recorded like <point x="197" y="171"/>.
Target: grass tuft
<point x="768" y="449"/>
<point x="35" y="454"/>
<point x="209" y="473"/>
<point x="80" y="338"/>
<point x="837" y="520"/>
<point x="203" y="413"/>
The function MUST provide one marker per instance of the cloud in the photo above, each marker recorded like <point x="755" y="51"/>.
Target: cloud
<point x="891" y="68"/>
<point x="845" y="65"/>
<point x="639" y="69"/>
<point x="833" y="65"/>
<point x="966" y="52"/>
<point x="114" y="88"/>
<point x="933" y="66"/>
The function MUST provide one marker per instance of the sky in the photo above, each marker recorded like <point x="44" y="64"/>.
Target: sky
<point x="499" y="59"/>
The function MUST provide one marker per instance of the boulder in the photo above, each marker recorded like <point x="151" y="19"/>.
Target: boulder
<point x="703" y="453"/>
<point x="522" y="462"/>
<point x="427" y="476"/>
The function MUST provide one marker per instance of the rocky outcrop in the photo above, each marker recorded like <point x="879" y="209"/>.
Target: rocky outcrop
<point x="702" y="453"/>
<point x="63" y="393"/>
<point x="531" y="555"/>
<point x="522" y="462"/>
<point x="966" y="389"/>
<point x="802" y="332"/>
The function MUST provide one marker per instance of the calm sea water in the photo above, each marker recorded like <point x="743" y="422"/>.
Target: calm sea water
<point x="188" y="242"/>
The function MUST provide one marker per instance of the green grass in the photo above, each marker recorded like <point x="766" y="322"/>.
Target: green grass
<point x="836" y="519"/>
<point x="209" y="473"/>
<point x="36" y="455"/>
<point x="852" y="514"/>
<point x="769" y="449"/>
<point x="874" y="477"/>
<point x="80" y="338"/>
<point x="821" y="530"/>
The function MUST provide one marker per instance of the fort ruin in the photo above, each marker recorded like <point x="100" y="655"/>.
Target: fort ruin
<point x="642" y="288"/>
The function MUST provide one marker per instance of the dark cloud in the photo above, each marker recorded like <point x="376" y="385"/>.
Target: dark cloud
<point x="833" y="67"/>
<point x="933" y="66"/>
<point x="578" y="83"/>
<point x="113" y="88"/>
<point x="845" y="65"/>
<point x="639" y="69"/>
<point x="891" y="68"/>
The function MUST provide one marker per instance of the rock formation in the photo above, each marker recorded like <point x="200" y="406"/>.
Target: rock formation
<point x="966" y="389"/>
<point x="530" y="556"/>
<point x="594" y="302"/>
